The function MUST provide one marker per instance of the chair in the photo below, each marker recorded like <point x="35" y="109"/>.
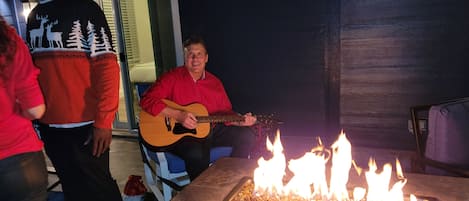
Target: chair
<point x="164" y="170"/>
<point x="442" y="149"/>
<point x="51" y="170"/>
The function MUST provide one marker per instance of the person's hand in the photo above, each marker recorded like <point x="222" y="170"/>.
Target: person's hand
<point x="249" y="120"/>
<point x="187" y="119"/>
<point x="101" y="140"/>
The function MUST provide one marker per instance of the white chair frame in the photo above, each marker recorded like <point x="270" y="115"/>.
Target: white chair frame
<point x="154" y="171"/>
<point x="152" y="177"/>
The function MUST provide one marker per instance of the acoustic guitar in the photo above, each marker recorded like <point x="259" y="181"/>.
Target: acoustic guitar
<point x="161" y="131"/>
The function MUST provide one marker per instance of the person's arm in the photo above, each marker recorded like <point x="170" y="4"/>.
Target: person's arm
<point x="151" y="100"/>
<point x="104" y="81"/>
<point x="152" y="103"/>
<point x="34" y="112"/>
<point x="104" y="72"/>
<point x="249" y="120"/>
<point x="28" y="93"/>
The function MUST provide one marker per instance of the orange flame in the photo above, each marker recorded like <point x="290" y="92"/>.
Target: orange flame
<point x="309" y="174"/>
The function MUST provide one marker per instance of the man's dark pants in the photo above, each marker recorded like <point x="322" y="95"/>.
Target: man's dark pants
<point x="196" y="153"/>
<point x="83" y="176"/>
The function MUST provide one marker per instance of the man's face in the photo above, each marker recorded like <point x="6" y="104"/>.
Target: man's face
<point x="195" y="58"/>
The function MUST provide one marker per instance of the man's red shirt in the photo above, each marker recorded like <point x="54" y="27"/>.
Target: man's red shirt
<point x="178" y="86"/>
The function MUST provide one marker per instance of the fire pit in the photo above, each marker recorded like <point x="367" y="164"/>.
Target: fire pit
<point x="230" y="178"/>
<point x="224" y="175"/>
<point x="311" y="180"/>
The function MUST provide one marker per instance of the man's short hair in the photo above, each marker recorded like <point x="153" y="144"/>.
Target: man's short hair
<point x="194" y="39"/>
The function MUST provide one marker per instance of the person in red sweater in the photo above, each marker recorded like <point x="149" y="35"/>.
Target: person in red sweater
<point x="192" y="83"/>
<point x="71" y="43"/>
<point x="23" y="173"/>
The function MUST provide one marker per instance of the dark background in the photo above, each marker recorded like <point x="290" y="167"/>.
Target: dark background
<point x="325" y="65"/>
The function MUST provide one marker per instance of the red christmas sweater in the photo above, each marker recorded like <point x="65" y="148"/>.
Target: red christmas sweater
<point x="70" y="42"/>
<point x="18" y="92"/>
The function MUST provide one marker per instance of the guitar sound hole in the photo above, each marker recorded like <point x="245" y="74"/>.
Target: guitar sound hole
<point x="180" y="129"/>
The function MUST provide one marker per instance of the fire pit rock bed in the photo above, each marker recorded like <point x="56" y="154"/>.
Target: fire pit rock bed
<point x="244" y="191"/>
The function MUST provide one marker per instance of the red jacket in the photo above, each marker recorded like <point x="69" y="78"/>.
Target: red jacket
<point x="17" y="93"/>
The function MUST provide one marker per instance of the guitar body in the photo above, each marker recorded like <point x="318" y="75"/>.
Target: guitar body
<point x="160" y="131"/>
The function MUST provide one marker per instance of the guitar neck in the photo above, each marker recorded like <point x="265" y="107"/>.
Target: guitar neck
<point x="219" y="118"/>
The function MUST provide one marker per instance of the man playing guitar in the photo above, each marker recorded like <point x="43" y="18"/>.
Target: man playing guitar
<point x="192" y="84"/>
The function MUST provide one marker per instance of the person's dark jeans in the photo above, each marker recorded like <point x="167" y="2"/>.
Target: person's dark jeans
<point x="83" y="176"/>
<point x="23" y="177"/>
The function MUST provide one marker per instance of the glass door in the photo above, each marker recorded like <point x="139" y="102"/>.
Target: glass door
<point x="130" y="22"/>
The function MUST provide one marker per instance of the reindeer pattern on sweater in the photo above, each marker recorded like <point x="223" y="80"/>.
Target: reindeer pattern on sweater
<point x="48" y="31"/>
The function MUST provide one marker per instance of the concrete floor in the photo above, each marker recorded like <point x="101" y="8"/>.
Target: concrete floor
<point x="125" y="160"/>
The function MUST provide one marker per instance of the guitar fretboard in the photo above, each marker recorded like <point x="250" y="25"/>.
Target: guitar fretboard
<point x="219" y="118"/>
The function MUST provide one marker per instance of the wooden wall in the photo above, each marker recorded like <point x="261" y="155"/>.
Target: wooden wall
<point x="272" y="57"/>
<point x="396" y="54"/>
<point x="390" y="55"/>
